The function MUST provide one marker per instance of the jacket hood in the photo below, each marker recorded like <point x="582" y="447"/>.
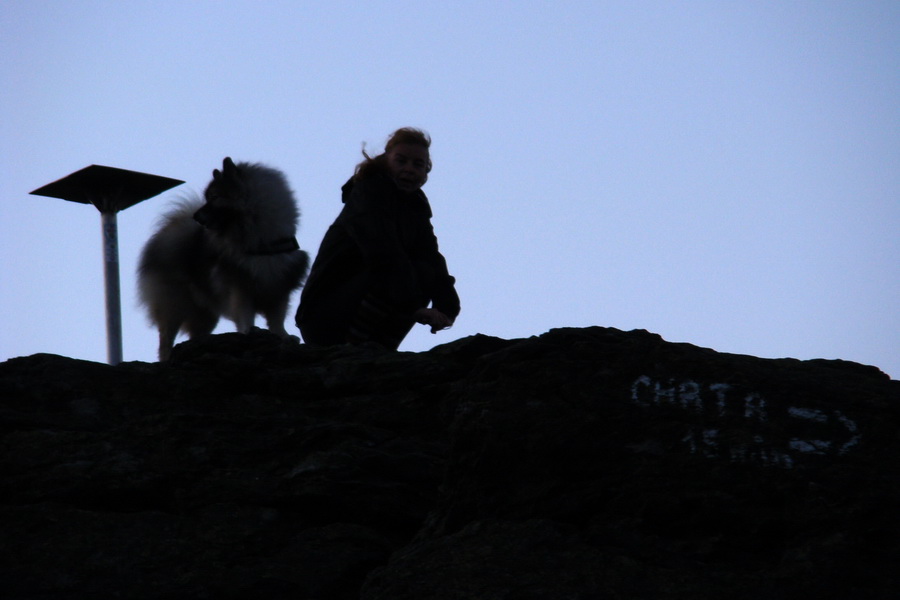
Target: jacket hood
<point x="384" y="185"/>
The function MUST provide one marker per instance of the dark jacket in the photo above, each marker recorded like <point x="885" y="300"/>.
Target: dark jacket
<point x="378" y="263"/>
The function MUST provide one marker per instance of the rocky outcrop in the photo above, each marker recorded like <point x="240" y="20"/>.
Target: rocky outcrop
<point x="582" y="464"/>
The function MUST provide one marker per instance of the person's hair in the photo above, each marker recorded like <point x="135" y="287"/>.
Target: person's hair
<point x="378" y="164"/>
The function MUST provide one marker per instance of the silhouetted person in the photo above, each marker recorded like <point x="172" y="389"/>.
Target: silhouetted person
<point x="379" y="266"/>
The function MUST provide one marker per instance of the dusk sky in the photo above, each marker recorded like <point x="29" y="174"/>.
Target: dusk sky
<point x="722" y="173"/>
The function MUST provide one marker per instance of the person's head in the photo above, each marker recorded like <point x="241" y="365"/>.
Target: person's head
<point x="406" y="159"/>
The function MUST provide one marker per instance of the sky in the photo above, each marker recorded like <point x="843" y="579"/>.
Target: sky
<point x="721" y="173"/>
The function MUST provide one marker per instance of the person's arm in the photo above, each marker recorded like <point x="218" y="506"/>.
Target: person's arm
<point x="442" y="285"/>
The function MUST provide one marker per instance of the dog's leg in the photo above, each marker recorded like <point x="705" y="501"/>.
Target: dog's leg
<point x="275" y="318"/>
<point x="242" y="312"/>
<point x="201" y="323"/>
<point x="167" y="333"/>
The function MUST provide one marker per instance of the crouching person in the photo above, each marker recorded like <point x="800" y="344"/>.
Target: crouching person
<point x="379" y="271"/>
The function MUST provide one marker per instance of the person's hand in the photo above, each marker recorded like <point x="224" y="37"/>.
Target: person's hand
<point x="433" y="317"/>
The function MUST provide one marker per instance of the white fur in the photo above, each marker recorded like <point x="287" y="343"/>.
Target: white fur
<point x="190" y="275"/>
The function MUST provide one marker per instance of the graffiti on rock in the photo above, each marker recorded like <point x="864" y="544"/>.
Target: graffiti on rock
<point x="809" y="432"/>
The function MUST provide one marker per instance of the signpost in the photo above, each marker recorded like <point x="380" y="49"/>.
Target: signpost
<point x="110" y="190"/>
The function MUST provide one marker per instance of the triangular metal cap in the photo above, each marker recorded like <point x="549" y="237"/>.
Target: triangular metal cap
<point x="108" y="188"/>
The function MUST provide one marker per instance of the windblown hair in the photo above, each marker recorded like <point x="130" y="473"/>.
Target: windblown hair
<point x="378" y="164"/>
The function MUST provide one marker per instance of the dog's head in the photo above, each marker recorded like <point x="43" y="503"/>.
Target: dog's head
<point x="224" y="197"/>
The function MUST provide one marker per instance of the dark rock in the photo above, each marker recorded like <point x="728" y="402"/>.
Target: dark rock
<point x="583" y="464"/>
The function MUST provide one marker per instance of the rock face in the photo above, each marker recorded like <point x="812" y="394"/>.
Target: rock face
<point x="580" y="464"/>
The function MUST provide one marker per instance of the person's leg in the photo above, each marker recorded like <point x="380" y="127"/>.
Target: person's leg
<point x="377" y="321"/>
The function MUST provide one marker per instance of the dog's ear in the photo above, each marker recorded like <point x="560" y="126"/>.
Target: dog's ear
<point x="229" y="170"/>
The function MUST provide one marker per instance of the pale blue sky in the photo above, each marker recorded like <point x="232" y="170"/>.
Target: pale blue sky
<point x="721" y="173"/>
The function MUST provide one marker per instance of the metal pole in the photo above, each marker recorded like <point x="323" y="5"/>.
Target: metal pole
<point x="111" y="280"/>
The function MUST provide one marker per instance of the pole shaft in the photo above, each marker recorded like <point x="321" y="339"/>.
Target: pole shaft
<point x="111" y="280"/>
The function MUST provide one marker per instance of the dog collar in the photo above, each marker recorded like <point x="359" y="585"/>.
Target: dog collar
<point x="280" y="246"/>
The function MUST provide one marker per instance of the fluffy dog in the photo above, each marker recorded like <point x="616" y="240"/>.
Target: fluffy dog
<point x="234" y="255"/>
